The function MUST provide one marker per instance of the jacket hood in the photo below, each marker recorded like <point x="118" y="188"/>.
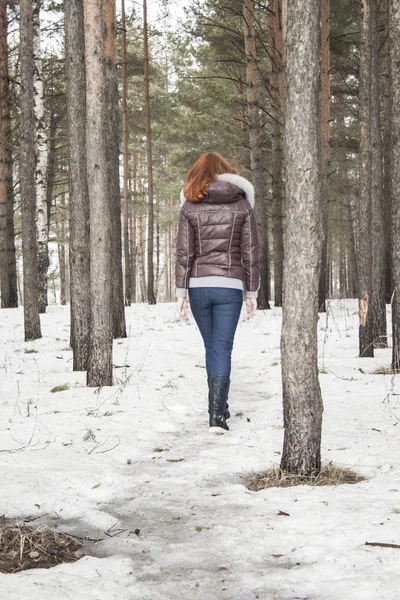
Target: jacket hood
<point x="227" y="188"/>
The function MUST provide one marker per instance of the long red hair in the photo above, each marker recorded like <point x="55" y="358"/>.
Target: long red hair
<point x="204" y="172"/>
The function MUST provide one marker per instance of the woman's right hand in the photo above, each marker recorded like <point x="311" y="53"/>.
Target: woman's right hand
<point x="251" y="307"/>
<point x="182" y="308"/>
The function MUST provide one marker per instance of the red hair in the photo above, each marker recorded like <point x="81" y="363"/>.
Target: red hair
<point x="204" y="172"/>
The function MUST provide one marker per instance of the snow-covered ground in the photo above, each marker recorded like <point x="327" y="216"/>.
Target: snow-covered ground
<point x="139" y="456"/>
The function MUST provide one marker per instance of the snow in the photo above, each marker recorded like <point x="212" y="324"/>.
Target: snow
<point x="139" y="456"/>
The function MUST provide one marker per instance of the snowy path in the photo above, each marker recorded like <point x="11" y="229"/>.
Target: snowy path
<point x="139" y="456"/>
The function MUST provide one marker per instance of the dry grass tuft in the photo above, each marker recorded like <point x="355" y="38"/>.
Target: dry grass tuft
<point x="329" y="475"/>
<point x="385" y="371"/>
<point x="23" y="547"/>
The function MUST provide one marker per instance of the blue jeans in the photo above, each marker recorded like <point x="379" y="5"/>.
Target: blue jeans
<point x="216" y="311"/>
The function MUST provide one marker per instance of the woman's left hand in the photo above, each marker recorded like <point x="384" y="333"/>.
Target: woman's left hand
<point x="251" y="307"/>
<point x="182" y="308"/>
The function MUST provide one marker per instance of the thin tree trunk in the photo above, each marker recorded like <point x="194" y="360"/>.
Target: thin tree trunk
<point x="386" y="156"/>
<point x="8" y="269"/>
<point x="394" y="32"/>
<point x="256" y="160"/>
<point x="150" y="215"/>
<point x="140" y="259"/>
<point x="132" y="228"/>
<point x="325" y="150"/>
<point x="41" y="163"/>
<point x="364" y="249"/>
<point x="112" y="148"/>
<point x="127" y="258"/>
<point x="302" y="399"/>
<point x="167" y="247"/>
<point x="79" y="244"/>
<point x="61" y="252"/>
<point x="277" y="158"/>
<point x="377" y="225"/>
<point x="351" y="252"/>
<point x="51" y="164"/>
<point x="27" y="175"/>
<point x="342" y="263"/>
<point x="157" y="251"/>
<point x="140" y="245"/>
<point x="99" y="371"/>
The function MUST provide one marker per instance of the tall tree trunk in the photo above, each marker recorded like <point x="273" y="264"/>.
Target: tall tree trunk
<point x="342" y="262"/>
<point x="99" y="371"/>
<point x="157" y="251"/>
<point x="351" y="252"/>
<point x="132" y="227"/>
<point x="127" y="258"/>
<point x="364" y="248"/>
<point x="150" y="225"/>
<point x="8" y="269"/>
<point x="377" y="226"/>
<point x="140" y="246"/>
<point x="277" y="112"/>
<point x="51" y="164"/>
<point x="394" y="32"/>
<point x="302" y="401"/>
<point x="386" y="157"/>
<point x="61" y="252"/>
<point x="27" y="175"/>
<point x="325" y="150"/>
<point x="41" y="163"/>
<point x="112" y="148"/>
<point x="79" y="243"/>
<point x="256" y="159"/>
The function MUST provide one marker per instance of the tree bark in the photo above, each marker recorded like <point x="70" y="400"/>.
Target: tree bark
<point x="61" y="252"/>
<point x="302" y="401"/>
<point x="150" y="193"/>
<point x="386" y="157"/>
<point x="99" y="371"/>
<point x="325" y="150"/>
<point x="112" y="148"/>
<point x="8" y="269"/>
<point x="132" y="227"/>
<point x="378" y="298"/>
<point x="79" y="242"/>
<point x="277" y="113"/>
<point x="127" y="257"/>
<point x="256" y="159"/>
<point x="364" y="247"/>
<point x="27" y="175"/>
<point x="394" y="33"/>
<point x="140" y="248"/>
<point x="351" y="253"/>
<point x="41" y="163"/>
<point x="51" y="163"/>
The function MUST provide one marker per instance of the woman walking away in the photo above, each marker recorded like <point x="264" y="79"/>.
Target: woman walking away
<point x="217" y="255"/>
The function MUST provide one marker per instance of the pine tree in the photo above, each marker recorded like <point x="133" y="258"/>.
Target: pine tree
<point x="8" y="272"/>
<point x="364" y="249"/>
<point x="302" y="400"/>
<point x="79" y="242"/>
<point x="99" y="372"/>
<point x="112" y="147"/>
<point x="394" y="33"/>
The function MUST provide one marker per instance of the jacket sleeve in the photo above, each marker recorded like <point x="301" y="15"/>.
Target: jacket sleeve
<point x="250" y="251"/>
<point x="185" y="251"/>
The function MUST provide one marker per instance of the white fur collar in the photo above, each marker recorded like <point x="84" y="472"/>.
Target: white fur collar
<point x="241" y="182"/>
<point x="238" y="180"/>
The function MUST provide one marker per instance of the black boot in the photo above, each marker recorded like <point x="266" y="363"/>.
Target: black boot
<point x="217" y="398"/>
<point x="227" y="414"/>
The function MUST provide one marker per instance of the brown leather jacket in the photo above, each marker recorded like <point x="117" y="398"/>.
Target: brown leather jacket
<point x="218" y="236"/>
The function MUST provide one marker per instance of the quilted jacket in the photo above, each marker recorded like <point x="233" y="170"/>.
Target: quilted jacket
<point x="218" y="236"/>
